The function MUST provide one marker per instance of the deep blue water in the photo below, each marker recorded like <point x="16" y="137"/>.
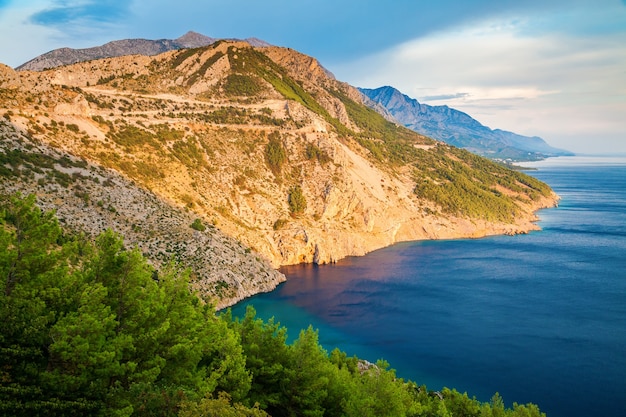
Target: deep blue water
<point x="538" y="318"/>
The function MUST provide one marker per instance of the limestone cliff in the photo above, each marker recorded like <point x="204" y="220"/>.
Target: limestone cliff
<point x="228" y="132"/>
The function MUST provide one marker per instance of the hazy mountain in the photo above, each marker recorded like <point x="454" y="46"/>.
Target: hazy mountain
<point x="65" y="56"/>
<point x="459" y="129"/>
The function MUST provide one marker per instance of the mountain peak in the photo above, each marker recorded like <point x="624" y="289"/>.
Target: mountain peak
<point x="193" y="39"/>
<point x="458" y="128"/>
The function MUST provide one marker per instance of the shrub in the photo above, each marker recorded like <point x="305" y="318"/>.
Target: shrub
<point x="297" y="201"/>
<point x="279" y="224"/>
<point x="275" y="153"/>
<point x="198" y="225"/>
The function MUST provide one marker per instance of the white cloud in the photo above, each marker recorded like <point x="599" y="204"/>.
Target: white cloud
<point x="22" y="40"/>
<point x="560" y="86"/>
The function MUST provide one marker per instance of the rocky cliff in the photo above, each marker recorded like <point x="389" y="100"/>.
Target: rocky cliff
<point x="265" y="145"/>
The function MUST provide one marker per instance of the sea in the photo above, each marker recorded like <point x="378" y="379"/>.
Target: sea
<point x="538" y="318"/>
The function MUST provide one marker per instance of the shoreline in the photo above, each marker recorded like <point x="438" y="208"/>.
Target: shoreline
<point x="523" y="225"/>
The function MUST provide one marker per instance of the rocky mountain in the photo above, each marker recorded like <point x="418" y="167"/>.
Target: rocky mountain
<point x="66" y="56"/>
<point x="458" y="128"/>
<point x="282" y="162"/>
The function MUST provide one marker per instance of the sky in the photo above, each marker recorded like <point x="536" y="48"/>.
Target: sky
<point x="549" y="68"/>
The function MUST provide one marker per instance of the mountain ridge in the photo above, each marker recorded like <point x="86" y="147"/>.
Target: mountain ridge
<point x="459" y="129"/>
<point x="267" y="146"/>
<point x="66" y="56"/>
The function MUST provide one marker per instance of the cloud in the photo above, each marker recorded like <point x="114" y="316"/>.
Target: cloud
<point x="517" y="73"/>
<point x="62" y="12"/>
<point x="443" y="97"/>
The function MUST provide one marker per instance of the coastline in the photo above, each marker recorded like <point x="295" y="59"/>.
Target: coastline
<point x="452" y="228"/>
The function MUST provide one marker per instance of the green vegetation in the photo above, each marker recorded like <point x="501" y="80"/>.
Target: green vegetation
<point x="203" y="69"/>
<point x="189" y="153"/>
<point x="198" y="225"/>
<point x="24" y="164"/>
<point x="463" y="183"/>
<point x="312" y="152"/>
<point x="275" y="154"/>
<point x="72" y="127"/>
<point x="90" y="328"/>
<point x="297" y="201"/>
<point x="385" y="140"/>
<point x="251" y="62"/>
<point x="280" y="223"/>
<point x="231" y="115"/>
<point x="132" y="136"/>
<point x="242" y="85"/>
<point x="105" y="80"/>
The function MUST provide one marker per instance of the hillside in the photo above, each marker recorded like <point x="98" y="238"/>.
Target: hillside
<point x="458" y="129"/>
<point x="89" y="199"/>
<point x="266" y="146"/>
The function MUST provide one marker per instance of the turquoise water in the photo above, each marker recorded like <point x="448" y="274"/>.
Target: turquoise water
<point x="539" y="318"/>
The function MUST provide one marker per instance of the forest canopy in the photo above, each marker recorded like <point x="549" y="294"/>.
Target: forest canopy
<point x="90" y="328"/>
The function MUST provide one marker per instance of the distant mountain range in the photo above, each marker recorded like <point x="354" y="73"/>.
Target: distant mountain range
<point x="66" y="56"/>
<point x="457" y="128"/>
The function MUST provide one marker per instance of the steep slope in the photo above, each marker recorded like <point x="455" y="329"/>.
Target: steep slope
<point x="459" y="129"/>
<point x="66" y="56"/>
<point x="267" y="146"/>
<point x="90" y="199"/>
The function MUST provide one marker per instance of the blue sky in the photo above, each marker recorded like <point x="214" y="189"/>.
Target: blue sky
<point x="551" y="68"/>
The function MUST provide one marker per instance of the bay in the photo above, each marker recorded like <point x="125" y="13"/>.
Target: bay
<point x="538" y="318"/>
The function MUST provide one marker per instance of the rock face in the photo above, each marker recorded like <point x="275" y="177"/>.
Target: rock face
<point x="458" y="128"/>
<point x="228" y="133"/>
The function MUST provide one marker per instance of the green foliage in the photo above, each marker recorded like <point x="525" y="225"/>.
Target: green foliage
<point x="279" y="224"/>
<point x="242" y="85"/>
<point x="20" y="163"/>
<point x="189" y="153"/>
<point x="467" y="184"/>
<point x="219" y="407"/>
<point x="87" y="329"/>
<point x="164" y="133"/>
<point x="296" y="200"/>
<point x="105" y="80"/>
<point x="252" y="62"/>
<point x="133" y="136"/>
<point x="227" y="115"/>
<point x="72" y="127"/>
<point x="275" y="154"/>
<point x="92" y="329"/>
<point x="204" y="67"/>
<point x="386" y="141"/>
<point x="312" y="152"/>
<point x="198" y="225"/>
